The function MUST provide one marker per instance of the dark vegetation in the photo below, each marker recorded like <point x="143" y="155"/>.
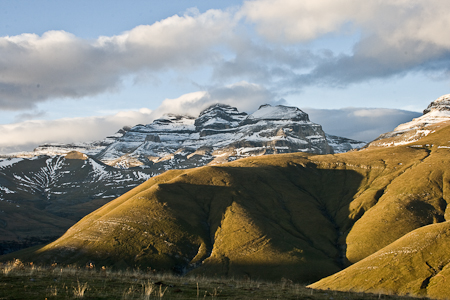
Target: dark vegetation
<point x="19" y="281"/>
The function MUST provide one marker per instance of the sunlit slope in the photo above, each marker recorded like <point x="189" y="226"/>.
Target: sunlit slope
<point x="416" y="264"/>
<point x="295" y="216"/>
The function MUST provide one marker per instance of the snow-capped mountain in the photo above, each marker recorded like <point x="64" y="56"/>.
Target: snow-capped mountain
<point x="57" y="184"/>
<point x="437" y="111"/>
<point x="221" y="133"/>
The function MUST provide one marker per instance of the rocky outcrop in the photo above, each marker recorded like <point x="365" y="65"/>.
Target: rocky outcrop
<point x="220" y="134"/>
<point x="438" y="111"/>
<point x="224" y="134"/>
<point x="440" y="104"/>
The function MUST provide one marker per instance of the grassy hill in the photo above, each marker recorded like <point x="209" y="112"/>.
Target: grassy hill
<point x="295" y="216"/>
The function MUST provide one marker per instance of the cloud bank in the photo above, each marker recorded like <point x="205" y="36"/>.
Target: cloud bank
<point x="243" y="95"/>
<point x="265" y="42"/>
<point x="362" y="124"/>
<point x="58" y="64"/>
<point x="356" y="123"/>
<point x="25" y="136"/>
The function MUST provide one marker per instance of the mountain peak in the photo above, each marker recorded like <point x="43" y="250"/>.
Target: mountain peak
<point x="438" y="111"/>
<point x="440" y="104"/>
<point x="279" y="112"/>
<point x="219" y="116"/>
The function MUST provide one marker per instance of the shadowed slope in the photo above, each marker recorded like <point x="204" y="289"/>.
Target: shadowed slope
<point x="241" y="219"/>
<point x="417" y="263"/>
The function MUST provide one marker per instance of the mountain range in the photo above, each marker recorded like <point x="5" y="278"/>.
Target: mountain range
<point x="373" y="220"/>
<point x="44" y="192"/>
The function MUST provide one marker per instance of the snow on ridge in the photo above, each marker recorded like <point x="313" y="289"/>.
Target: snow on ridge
<point x="6" y="190"/>
<point x="430" y="118"/>
<point x="98" y="169"/>
<point x="443" y="98"/>
<point x="9" y="162"/>
<point x="279" y="112"/>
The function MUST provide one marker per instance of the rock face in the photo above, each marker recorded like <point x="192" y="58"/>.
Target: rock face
<point x="438" y="111"/>
<point x="221" y="133"/>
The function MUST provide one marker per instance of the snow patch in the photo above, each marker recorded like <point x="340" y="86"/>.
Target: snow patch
<point x="9" y="162"/>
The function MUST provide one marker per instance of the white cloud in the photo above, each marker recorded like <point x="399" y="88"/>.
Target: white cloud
<point x="243" y="95"/>
<point x="58" y="64"/>
<point x="25" y="136"/>
<point x="363" y="124"/>
<point x="395" y="36"/>
<point x="295" y="21"/>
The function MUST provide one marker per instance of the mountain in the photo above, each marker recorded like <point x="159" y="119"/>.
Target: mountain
<point x="381" y="211"/>
<point x="57" y="184"/>
<point x="43" y="196"/>
<point x="221" y="134"/>
<point x="374" y="220"/>
<point x="437" y="112"/>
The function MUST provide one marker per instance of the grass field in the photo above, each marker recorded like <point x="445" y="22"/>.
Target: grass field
<point x="27" y="281"/>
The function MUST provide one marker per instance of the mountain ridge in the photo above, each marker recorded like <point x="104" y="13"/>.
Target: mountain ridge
<point x="220" y="132"/>
<point x="438" y="111"/>
<point x="50" y="178"/>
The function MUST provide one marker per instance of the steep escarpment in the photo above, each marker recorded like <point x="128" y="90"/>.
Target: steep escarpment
<point x="221" y="134"/>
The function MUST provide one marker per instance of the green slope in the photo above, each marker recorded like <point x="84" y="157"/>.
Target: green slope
<point x="296" y="216"/>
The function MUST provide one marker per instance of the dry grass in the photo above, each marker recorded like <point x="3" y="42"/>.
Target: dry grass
<point x="74" y="283"/>
<point x="80" y="289"/>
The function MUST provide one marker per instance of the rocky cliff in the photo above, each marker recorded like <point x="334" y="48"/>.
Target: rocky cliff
<point x="220" y="134"/>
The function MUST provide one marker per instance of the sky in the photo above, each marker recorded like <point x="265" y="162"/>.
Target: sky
<point x="74" y="71"/>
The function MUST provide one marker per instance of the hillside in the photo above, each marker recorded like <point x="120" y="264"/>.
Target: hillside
<point x="40" y="198"/>
<point x="418" y="262"/>
<point x="297" y="216"/>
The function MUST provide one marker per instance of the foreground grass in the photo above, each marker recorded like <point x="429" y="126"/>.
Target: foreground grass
<point x="19" y="281"/>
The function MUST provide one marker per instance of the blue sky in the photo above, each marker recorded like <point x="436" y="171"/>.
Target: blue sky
<point x="79" y="70"/>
